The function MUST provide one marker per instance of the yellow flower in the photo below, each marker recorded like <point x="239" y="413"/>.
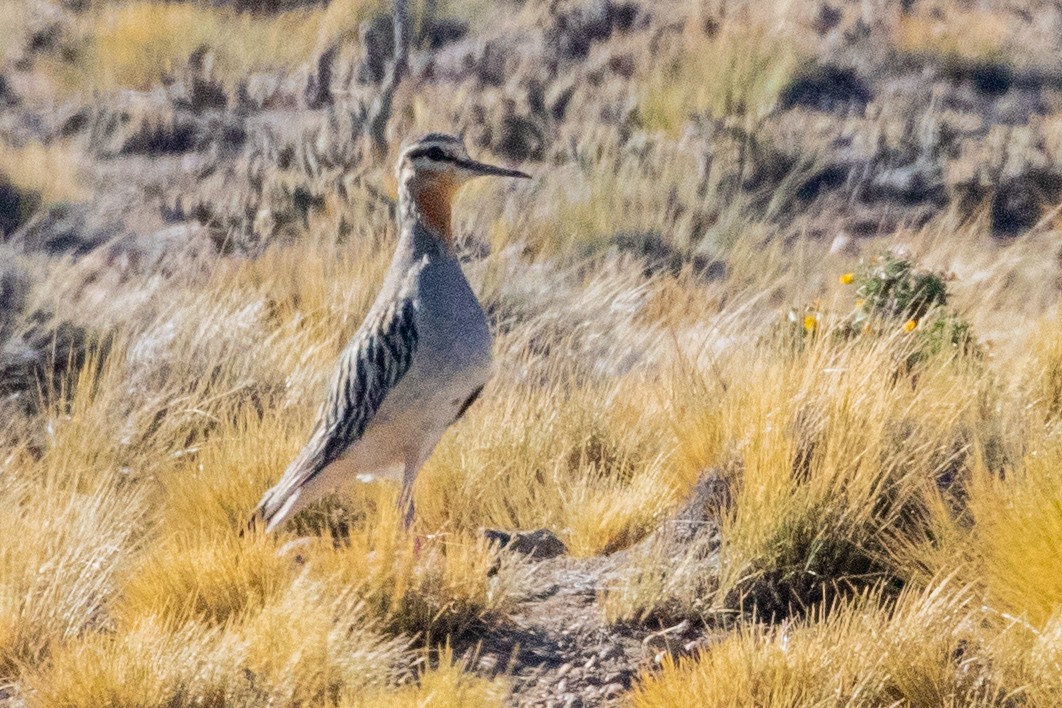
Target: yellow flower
<point x="847" y="278"/>
<point x="860" y="302"/>
<point x="810" y="322"/>
<point x="909" y="325"/>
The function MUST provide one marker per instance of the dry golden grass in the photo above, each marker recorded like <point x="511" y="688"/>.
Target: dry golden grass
<point x="830" y="465"/>
<point x="141" y="569"/>
<point x="135" y="44"/>
<point x="446" y="685"/>
<point x="835" y="467"/>
<point x="957" y="35"/>
<point x="1018" y="536"/>
<point x="311" y="645"/>
<point x="977" y="623"/>
<point x="156" y="454"/>
<point x="735" y="75"/>
<point x="48" y="173"/>
<point x="152" y="465"/>
<point x="860" y="654"/>
<point x="588" y="462"/>
<point x="922" y="504"/>
<point x="147" y="479"/>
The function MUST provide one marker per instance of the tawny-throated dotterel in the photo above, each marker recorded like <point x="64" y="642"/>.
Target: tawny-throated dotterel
<point x="418" y="361"/>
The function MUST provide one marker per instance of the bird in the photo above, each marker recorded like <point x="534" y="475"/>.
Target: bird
<point x="418" y="361"/>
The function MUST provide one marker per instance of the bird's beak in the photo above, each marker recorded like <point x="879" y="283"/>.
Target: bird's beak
<point x="482" y="169"/>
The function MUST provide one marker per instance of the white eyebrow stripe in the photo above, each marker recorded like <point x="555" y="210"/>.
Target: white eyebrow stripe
<point x="420" y="150"/>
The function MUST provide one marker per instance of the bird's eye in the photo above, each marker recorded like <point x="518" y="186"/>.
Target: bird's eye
<point x="435" y="153"/>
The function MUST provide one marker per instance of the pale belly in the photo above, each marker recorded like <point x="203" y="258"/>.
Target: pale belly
<point x="405" y="430"/>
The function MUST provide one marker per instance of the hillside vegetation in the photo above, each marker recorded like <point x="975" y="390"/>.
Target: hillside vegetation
<point x="779" y="354"/>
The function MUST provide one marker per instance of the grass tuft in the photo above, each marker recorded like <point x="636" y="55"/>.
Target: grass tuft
<point x="865" y="652"/>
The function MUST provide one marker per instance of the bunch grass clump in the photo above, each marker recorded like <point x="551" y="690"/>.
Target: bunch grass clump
<point x="734" y="74"/>
<point x="43" y="175"/>
<point x="831" y="466"/>
<point x="138" y="44"/>
<point x="589" y="462"/>
<point x="867" y="651"/>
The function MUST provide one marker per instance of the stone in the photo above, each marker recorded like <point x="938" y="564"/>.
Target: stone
<point x="540" y="543"/>
<point x="827" y="87"/>
<point x="377" y="37"/>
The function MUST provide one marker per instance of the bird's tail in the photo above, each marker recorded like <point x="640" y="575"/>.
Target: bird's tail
<point x="290" y="494"/>
<point x="276" y="507"/>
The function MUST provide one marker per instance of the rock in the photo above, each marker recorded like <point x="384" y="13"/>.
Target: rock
<point x="576" y="29"/>
<point x="826" y="18"/>
<point x="194" y="89"/>
<point x="169" y="250"/>
<point x="911" y="183"/>
<point x="491" y="64"/>
<point x="623" y="64"/>
<point x="612" y="690"/>
<point x="558" y="98"/>
<point x="16" y="206"/>
<point x="520" y="138"/>
<point x="1016" y="106"/>
<point x="1018" y="203"/>
<point x="14" y="283"/>
<point x="445" y="31"/>
<point x="989" y="77"/>
<point x="43" y="352"/>
<point x="159" y="123"/>
<point x="377" y="46"/>
<point x="172" y="134"/>
<point x="203" y="90"/>
<point x="8" y="97"/>
<point x="541" y="543"/>
<point x="318" y="92"/>
<point x="709" y="500"/>
<point x="61" y="230"/>
<point x="842" y="243"/>
<point x="826" y="87"/>
<point x="563" y="670"/>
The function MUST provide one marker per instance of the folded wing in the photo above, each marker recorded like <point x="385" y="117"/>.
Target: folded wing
<point x="371" y="366"/>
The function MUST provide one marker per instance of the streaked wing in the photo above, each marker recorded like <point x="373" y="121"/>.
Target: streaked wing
<point x="372" y="364"/>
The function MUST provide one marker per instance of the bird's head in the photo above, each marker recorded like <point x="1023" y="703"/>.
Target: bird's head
<point x="430" y="171"/>
<point x="438" y="157"/>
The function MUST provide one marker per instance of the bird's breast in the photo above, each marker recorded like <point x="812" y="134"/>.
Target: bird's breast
<point x="452" y="327"/>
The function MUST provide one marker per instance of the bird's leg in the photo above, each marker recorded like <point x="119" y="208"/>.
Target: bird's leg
<point x="405" y="500"/>
<point x="414" y="461"/>
<point x="406" y="505"/>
